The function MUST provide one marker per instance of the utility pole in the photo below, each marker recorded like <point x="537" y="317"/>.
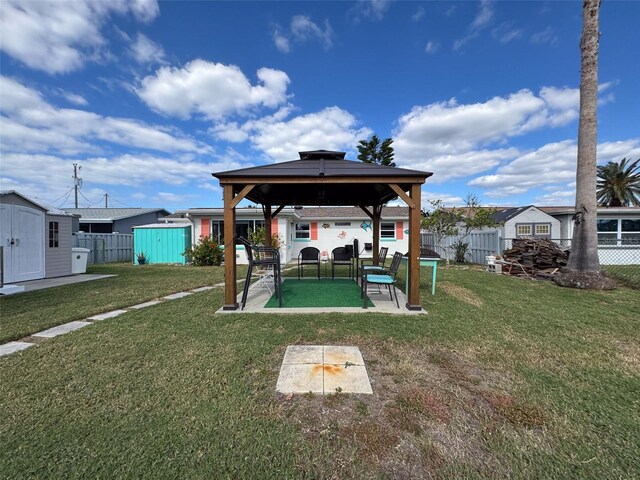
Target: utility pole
<point x="106" y="200"/>
<point x="77" y="181"/>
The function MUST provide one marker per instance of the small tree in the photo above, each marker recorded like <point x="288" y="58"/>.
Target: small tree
<point x="258" y="236"/>
<point x="441" y="222"/>
<point x="205" y="253"/>
<point x="375" y="151"/>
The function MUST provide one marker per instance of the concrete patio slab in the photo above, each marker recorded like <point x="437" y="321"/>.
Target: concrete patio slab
<point x="300" y="379"/>
<point x="104" y="316"/>
<point x="175" y="296"/>
<point x="341" y="355"/>
<point x="300" y="354"/>
<point x="13" y="347"/>
<point x="60" y="281"/>
<point x="146" y="304"/>
<point x="351" y="379"/>
<point x="203" y="289"/>
<point x="62" y="329"/>
<point x="306" y="368"/>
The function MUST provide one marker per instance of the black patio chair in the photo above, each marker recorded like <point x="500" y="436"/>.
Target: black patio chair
<point x="341" y="256"/>
<point x="264" y="257"/>
<point x="387" y="278"/>
<point x="371" y="266"/>
<point x="308" y="256"/>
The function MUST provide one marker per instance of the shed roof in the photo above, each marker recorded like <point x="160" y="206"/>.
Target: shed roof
<point x="163" y="225"/>
<point x="112" y="214"/>
<point x="507" y="214"/>
<point x="322" y="177"/>
<point x="49" y="209"/>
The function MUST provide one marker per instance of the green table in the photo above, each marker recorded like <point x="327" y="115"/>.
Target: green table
<point x="424" y="262"/>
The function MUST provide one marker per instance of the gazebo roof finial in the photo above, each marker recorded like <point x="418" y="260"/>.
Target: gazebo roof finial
<point x="322" y="154"/>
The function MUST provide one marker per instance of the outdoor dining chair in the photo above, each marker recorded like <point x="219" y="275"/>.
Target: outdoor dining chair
<point x="371" y="266"/>
<point x="266" y="258"/>
<point x="308" y="256"/>
<point x="387" y="278"/>
<point x="341" y="256"/>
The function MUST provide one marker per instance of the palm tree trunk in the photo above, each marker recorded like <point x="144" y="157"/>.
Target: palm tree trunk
<point x="584" y="245"/>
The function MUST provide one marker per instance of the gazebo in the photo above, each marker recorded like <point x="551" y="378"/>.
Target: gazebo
<point x="324" y="178"/>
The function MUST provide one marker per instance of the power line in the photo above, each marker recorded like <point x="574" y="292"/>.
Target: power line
<point x="65" y="198"/>
<point x="65" y="193"/>
<point x="116" y="200"/>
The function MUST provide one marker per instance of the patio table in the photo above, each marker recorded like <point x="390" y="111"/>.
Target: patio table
<point x="425" y="262"/>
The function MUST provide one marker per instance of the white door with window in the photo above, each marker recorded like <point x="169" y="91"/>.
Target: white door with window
<point x="22" y="236"/>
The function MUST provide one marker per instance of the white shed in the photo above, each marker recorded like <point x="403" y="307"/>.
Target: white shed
<point x="527" y="221"/>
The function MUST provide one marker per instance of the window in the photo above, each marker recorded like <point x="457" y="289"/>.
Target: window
<point x="54" y="235"/>
<point x="217" y="231"/>
<point x="523" y="230"/>
<point x="303" y="231"/>
<point x="543" y="229"/>
<point x="388" y="231"/>
<point x="618" y="231"/>
<point x="343" y="224"/>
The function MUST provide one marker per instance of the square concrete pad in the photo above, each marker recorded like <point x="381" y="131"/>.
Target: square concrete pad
<point x="175" y="296"/>
<point x="300" y="379"/>
<point x="13" y="347"/>
<point x="203" y="289"/>
<point x="323" y="369"/>
<point x="104" y="316"/>
<point x="61" y="329"/>
<point x="342" y="355"/>
<point x="297" y="354"/>
<point x="146" y="304"/>
<point x="351" y="379"/>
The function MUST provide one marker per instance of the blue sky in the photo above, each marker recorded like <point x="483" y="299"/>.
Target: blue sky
<point x="150" y="98"/>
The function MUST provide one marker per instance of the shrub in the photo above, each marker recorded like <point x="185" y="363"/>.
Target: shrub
<point x="205" y="253"/>
<point x="257" y="236"/>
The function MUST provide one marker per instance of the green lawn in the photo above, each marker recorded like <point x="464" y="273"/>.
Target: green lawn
<point x="31" y="312"/>
<point x="504" y="377"/>
<point x="628" y="275"/>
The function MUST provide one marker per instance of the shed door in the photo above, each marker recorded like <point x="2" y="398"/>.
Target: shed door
<point x="22" y="234"/>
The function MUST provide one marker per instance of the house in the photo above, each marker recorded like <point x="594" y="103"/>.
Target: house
<point x="116" y="220"/>
<point x="36" y="239"/>
<point x="529" y="221"/>
<point x="322" y="227"/>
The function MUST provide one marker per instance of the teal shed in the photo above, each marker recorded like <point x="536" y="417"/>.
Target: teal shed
<point x="162" y="242"/>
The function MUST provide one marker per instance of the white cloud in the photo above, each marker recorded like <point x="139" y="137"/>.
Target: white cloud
<point x="432" y="47"/>
<point x="60" y="37"/>
<point x="550" y="164"/>
<point x="371" y="9"/>
<point x="303" y="29"/>
<point x="448" y="200"/>
<point x="558" y="198"/>
<point x="481" y="21"/>
<point x="546" y="36"/>
<point x="212" y="90"/>
<point x="505" y="32"/>
<point x="280" y="40"/>
<point x="173" y="197"/>
<point x="30" y="124"/>
<point x="416" y="17"/>
<point x="145" y="51"/>
<point x="73" y="97"/>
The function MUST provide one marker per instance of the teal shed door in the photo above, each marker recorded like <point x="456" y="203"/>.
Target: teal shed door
<point x="163" y="245"/>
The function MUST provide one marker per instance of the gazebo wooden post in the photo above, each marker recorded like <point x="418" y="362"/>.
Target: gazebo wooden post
<point x="267" y="224"/>
<point x="413" y="264"/>
<point x="377" y="212"/>
<point x="230" y="294"/>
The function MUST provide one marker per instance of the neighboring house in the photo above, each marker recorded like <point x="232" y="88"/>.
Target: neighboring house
<point x="37" y="239"/>
<point x="529" y="221"/>
<point x="116" y="220"/>
<point x="322" y="227"/>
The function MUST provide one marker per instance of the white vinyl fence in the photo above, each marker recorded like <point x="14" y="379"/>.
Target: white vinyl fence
<point x="106" y="247"/>
<point x="481" y="244"/>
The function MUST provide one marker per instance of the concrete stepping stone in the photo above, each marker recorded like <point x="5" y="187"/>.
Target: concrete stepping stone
<point x="62" y="329"/>
<point x="323" y="369"/>
<point x="150" y="303"/>
<point x="104" y="316"/>
<point x="203" y="289"/>
<point x="175" y="296"/>
<point x="13" y="347"/>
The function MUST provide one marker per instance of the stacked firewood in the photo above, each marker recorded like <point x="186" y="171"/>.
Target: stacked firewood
<point x="535" y="257"/>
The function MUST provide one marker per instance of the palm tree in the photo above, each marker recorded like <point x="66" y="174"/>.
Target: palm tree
<point x="619" y="184"/>
<point x="583" y="267"/>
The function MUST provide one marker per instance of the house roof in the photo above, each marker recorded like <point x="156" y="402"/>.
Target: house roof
<point x="111" y="214"/>
<point x="350" y="212"/>
<point x="322" y="177"/>
<point x="551" y="210"/>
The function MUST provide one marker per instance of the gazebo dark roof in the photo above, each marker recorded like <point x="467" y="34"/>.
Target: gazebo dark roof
<point x="348" y="182"/>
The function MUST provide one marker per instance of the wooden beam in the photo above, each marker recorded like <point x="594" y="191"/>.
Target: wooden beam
<point x="401" y="193"/>
<point x="243" y="193"/>
<point x="413" y="264"/>
<point x="377" y="213"/>
<point x="366" y="210"/>
<point x="277" y="211"/>
<point x="267" y="225"/>
<point x="230" y="294"/>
